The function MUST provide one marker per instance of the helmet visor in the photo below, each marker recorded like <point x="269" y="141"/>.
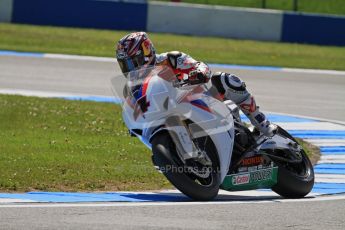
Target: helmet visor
<point x="131" y="63"/>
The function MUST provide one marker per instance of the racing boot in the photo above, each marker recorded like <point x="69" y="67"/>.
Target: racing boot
<point x="257" y="118"/>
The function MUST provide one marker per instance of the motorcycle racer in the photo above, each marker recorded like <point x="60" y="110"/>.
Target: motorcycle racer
<point x="135" y="51"/>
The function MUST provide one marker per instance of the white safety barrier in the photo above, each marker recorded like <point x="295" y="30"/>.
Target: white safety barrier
<point x="204" y="20"/>
<point x="6" y="7"/>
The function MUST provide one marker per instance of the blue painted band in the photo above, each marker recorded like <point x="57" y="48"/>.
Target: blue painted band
<point x="329" y="188"/>
<point x="333" y="153"/>
<point x="332" y="149"/>
<point x="67" y="197"/>
<point x="318" y="134"/>
<point x="281" y="118"/>
<point x="95" y="99"/>
<point x="330" y="171"/>
<point x="20" y="54"/>
<point x="318" y="137"/>
<point x="325" y="188"/>
<point x="94" y="197"/>
<point x="330" y="166"/>
<point x="245" y="67"/>
<point x="329" y="185"/>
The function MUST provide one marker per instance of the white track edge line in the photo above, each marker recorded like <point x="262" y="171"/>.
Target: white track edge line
<point x="137" y="204"/>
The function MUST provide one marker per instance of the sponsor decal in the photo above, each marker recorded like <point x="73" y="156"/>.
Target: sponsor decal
<point x="264" y="178"/>
<point x="252" y="177"/>
<point x="252" y="168"/>
<point x="243" y="169"/>
<point x="261" y="175"/>
<point x="241" y="179"/>
<point x="251" y="161"/>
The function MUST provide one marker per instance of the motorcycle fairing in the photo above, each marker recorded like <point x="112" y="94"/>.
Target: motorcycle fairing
<point x="190" y="102"/>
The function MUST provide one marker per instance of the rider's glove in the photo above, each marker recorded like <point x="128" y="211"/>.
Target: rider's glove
<point x="197" y="77"/>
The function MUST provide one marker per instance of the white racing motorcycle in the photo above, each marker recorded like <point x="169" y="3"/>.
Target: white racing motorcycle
<point x="200" y="143"/>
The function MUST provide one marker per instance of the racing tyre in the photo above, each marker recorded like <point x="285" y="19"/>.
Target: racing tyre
<point x="294" y="180"/>
<point x="202" y="185"/>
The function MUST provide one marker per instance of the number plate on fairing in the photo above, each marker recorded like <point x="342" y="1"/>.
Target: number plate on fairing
<point x="261" y="178"/>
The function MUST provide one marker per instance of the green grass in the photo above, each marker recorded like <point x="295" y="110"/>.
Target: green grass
<point x="311" y="6"/>
<point x="59" y="145"/>
<point x="311" y="150"/>
<point x="208" y="49"/>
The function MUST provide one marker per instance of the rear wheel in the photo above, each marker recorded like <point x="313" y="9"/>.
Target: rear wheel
<point x="295" y="180"/>
<point x="194" y="179"/>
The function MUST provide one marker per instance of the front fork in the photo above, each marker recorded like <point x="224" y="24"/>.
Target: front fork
<point x="182" y="137"/>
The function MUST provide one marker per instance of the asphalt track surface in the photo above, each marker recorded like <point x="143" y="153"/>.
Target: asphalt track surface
<point x="289" y="215"/>
<point x="308" y="94"/>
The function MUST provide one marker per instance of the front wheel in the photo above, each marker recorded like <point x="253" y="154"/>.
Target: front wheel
<point x="295" y="180"/>
<point x="192" y="178"/>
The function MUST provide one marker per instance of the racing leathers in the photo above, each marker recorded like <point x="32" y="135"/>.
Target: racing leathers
<point x="229" y="86"/>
